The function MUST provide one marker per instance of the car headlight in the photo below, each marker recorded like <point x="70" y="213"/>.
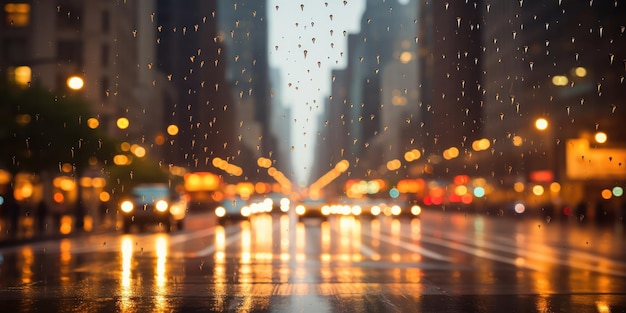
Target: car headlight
<point x="161" y="205"/>
<point x="127" y="206"/>
<point x="300" y="209"/>
<point x="416" y="210"/>
<point x="220" y="211"/>
<point x="245" y="211"/>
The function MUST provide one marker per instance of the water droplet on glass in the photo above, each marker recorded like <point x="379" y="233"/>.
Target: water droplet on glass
<point x="305" y="53"/>
<point x="302" y="7"/>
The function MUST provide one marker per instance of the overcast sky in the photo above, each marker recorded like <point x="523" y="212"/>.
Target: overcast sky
<point x="307" y="40"/>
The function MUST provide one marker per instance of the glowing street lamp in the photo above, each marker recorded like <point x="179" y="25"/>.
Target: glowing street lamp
<point x="541" y="123"/>
<point x="75" y="83"/>
<point x="600" y="137"/>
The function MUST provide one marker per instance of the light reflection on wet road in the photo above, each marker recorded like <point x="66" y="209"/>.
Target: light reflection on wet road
<point x="439" y="262"/>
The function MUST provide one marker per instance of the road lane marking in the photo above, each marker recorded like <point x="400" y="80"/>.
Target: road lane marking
<point x="230" y="238"/>
<point x="409" y="246"/>
<point x="546" y="258"/>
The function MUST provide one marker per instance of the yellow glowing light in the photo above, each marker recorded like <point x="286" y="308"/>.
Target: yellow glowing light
<point x="22" y="75"/>
<point x="93" y="123"/>
<point x="518" y="186"/>
<point x="600" y="137"/>
<point x="121" y="159"/>
<point x="555" y="187"/>
<point x="67" y="168"/>
<point x="412" y="155"/>
<point x="140" y="152"/>
<point x="172" y="130"/>
<point x="541" y="124"/>
<point x="606" y="194"/>
<point x="66" y="225"/>
<point x="406" y="57"/>
<point x="75" y="83"/>
<point x="538" y="190"/>
<point x="560" y="80"/>
<point x="580" y="71"/>
<point x="517" y="141"/>
<point x="122" y="123"/>
<point x="105" y="196"/>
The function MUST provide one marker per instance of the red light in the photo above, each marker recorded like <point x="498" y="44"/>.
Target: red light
<point x="467" y="198"/>
<point x="437" y="200"/>
<point x="461" y="179"/>
<point x="567" y="211"/>
<point x="427" y="200"/>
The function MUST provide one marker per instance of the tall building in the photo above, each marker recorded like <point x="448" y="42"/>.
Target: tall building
<point x="561" y="61"/>
<point x="106" y="44"/>
<point x="450" y="87"/>
<point x="202" y="108"/>
<point x="387" y="35"/>
<point x="243" y="29"/>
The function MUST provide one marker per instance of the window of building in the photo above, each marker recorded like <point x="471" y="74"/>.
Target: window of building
<point x="17" y="14"/>
<point x="104" y="55"/>
<point x="69" y="17"/>
<point x="70" y="51"/>
<point x="106" y="21"/>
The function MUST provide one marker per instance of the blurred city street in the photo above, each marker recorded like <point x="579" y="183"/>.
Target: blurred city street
<point x="439" y="262"/>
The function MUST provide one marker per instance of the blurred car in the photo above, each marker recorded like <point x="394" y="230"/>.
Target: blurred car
<point x="153" y="204"/>
<point x="310" y="208"/>
<point x="234" y="208"/>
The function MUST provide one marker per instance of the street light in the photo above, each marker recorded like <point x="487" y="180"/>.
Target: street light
<point x="600" y="137"/>
<point x="541" y="123"/>
<point x="75" y="82"/>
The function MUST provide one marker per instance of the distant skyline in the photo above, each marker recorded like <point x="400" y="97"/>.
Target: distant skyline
<point x="307" y="40"/>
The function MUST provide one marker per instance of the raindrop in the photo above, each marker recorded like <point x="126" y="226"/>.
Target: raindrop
<point x="532" y="65"/>
<point x="601" y="31"/>
<point x="501" y="116"/>
<point x="568" y="110"/>
<point x="135" y="33"/>
<point x="313" y="39"/>
<point x="515" y="36"/>
<point x="331" y="17"/>
<point x="302" y="7"/>
<point x="277" y="8"/>
<point x="345" y="2"/>
<point x="276" y="47"/>
<point x="331" y="32"/>
<point x="458" y="22"/>
<point x="305" y="53"/>
<point x="489" y="7"/>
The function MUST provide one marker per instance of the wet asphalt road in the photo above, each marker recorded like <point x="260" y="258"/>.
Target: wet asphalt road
<point x="437" y="263"/>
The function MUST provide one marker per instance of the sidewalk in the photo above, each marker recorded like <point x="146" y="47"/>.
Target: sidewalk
<point x="27" y="231"/>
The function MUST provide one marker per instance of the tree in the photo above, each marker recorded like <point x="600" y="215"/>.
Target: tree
<point x="41" y="130"/>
